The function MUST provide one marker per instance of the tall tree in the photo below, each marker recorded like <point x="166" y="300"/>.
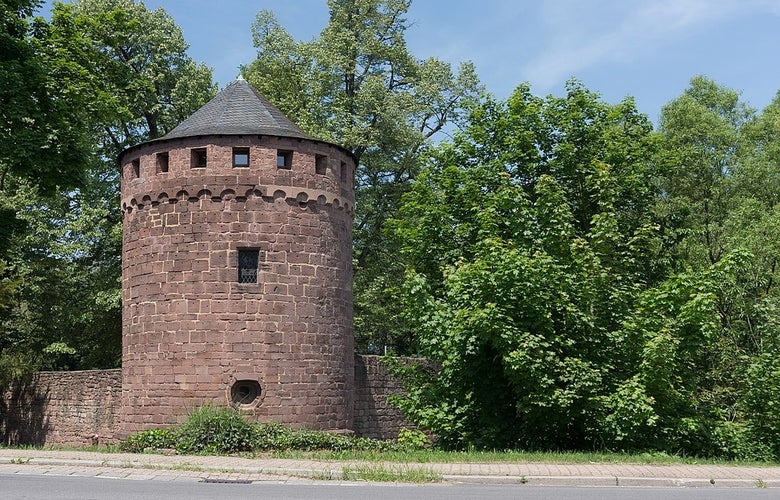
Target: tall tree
<point x="723" y="190"/>
<point x="42" y="132"/>
<point x="702" y="130"/>
<point x="529" y="238"/>
<point x="137" y="59"/>
<point x="132" y="62"/>
<point x="358" y="85"/>
<point x="43" y="139"/>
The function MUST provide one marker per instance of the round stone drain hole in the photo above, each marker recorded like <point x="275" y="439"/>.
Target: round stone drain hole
<point x="245" y="392"/>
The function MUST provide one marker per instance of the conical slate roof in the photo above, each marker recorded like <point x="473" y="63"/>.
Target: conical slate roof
<point x="237" y="110"/>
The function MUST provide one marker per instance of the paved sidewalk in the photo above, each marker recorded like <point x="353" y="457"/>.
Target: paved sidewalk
<point x="235" y="469"/>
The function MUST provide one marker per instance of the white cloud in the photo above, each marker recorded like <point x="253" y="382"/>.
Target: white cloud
<point x="583" y="34"/>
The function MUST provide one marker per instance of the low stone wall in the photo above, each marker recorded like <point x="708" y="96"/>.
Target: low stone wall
<point x="72" y="408"/>
<point x="374" y="416"/>
<point x="84" y="407"/>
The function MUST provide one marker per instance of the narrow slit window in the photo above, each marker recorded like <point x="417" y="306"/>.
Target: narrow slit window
<point x="320" y="164"/>
<point x="162" y="162"/>
<point x="137" y="168"/>
<point x="198" y="158"/>
<point x="240" y="157"/>
<point x="344" y="171"/>
<point x="283" y="159"/>
<point x="247" y="266"/>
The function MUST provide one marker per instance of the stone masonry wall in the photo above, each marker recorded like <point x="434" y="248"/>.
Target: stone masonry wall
<point x="84" y="407"/>
<point x="72" y="408"/>
<point x="374" y="416"/>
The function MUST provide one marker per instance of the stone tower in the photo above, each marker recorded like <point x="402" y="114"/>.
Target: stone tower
<point x="236" y="270"/>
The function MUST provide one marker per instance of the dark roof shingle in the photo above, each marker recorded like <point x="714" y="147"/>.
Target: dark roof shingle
<point x="237" y="110"/>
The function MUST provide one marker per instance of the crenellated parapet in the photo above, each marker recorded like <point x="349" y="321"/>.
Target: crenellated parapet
<point x="239" y="194"/>
<point x="169" y="171"/>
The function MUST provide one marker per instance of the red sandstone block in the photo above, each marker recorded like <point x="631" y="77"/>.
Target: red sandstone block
<point x="200" y="264"/>
<point x="237" y="307"/>
<point x="284" y="308"/>
<point x="219" y="306"/>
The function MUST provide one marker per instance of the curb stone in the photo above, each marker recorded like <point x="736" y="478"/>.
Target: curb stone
<point x="201" y="468"/>
<point x="596" y="481"/>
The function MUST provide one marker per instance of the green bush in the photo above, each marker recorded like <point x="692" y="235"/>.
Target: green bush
<point x="152" y="438"/>
<point x="307" y="440"/>
<point x="413" y="439"/>
<point x="215" y="430"/>
<point x="278" y="437"/>
<point x="271" y="436"/>
<point x="761" y="399"/>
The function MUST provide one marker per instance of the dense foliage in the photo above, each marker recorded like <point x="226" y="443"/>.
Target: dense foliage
<point x="119" y="75"/>
<point x="358" y="85"/>
<point x="586" y="282"/>
<point x="222" y="430"/>
<point x="580" y="279"/>
<point x="528" y="239"/>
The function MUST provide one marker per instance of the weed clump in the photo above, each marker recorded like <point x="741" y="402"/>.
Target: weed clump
<point x="215" y="431"/>
<point x="222" y="430"/>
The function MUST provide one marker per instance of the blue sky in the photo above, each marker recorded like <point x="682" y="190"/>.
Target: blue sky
<point x="649" y="49"/>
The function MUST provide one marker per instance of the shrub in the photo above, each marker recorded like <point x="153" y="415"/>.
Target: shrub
<point x="307" y="440"/>
<point x="413" y="439"/>
<point x="271" y="436"/>
<point x="279" y="437"/>
<point x="216" y="430"/>
<point x="152" y="438"/>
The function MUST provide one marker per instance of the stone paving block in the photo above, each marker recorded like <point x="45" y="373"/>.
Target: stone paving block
<point x="172" y="468"/>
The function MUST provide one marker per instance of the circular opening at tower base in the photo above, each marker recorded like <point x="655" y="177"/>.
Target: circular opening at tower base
<point x="244" y="392"/>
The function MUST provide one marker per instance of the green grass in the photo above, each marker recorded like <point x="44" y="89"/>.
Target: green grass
<point x="437" y="456"/>
<point x="379" y="473"/>
<point x="110" y="448"/>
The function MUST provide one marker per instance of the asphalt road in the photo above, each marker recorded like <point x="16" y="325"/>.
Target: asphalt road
<point x="50" y="487"/>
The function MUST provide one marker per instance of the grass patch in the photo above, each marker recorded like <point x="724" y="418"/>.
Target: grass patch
<point x="218" y="431"/>
<point x="438" y="456"/>
<point x="109" y="448"/>
<point x="380" y="473"/>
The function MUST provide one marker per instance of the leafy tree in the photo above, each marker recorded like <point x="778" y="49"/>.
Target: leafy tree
<point x="583" y="281"/>
<point x="43" y="138"/>
<point x="136" y="59"/>
<point x="702" y="133"/>
<point x="358" y="85"/>
<point x="529" y="238"/>
<point x="708" y="330"/>
<point x="42" y="133"/>
<point x="133" y="64"/>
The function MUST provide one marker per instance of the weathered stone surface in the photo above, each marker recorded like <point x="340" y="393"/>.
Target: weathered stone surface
<point x="85" y="407"/>
<point x="75" y="408"/>
<point x="375" y="417"/>
<point x="190" y="329"/>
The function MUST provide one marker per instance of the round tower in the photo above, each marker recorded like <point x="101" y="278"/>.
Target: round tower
<point x="236" y="270"/>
